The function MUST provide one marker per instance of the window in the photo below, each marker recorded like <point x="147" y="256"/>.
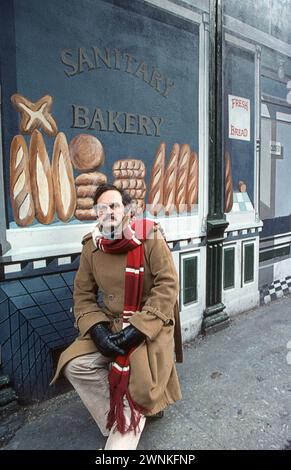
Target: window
<point x="248" y="262"/>
<point x="189" y="291"/>
<point x="228" y="267"/>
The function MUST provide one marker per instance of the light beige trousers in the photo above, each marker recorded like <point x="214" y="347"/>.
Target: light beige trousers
<point x="89" y="376"/>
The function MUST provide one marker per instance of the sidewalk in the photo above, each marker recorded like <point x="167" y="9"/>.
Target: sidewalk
<point x="236" y="388"/>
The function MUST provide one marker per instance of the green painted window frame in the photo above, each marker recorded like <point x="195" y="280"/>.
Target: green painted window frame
<point x="248" y="273"/>
<point x="226" y="269"/>
<point x="193" y="287"/>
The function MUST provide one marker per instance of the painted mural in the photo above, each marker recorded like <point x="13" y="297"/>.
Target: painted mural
<point x="46" y="190"/>
<point x="81" y="109"/>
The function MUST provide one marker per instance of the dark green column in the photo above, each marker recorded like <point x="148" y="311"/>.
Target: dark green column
<point x="215" y="316"/>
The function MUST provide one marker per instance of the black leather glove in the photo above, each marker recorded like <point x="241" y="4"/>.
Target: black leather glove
<point x="100" y="334"/>
<point x="128" y="338"/>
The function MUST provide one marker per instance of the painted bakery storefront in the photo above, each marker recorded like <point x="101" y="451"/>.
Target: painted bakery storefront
<point x="93" y="92"/>
<point x="102" y="91"/>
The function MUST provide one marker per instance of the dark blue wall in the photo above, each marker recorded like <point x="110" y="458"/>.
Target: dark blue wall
<point x="31" y="65"/>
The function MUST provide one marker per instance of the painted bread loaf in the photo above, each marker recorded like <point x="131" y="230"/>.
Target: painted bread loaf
<point x="20" y="188"/>
<point x="85" y="202"/>
<point x="63" y="179"/>
<point x="35" y="115"/>
<point x="41" y="179"/>
<point x="129" y="168"/>
<point x="85" y="214"/>
<point x="86" y="152"/>
<point x="228" y="184"/>
<point x="86" y="191"/>
<point x="182" y="176"/>
<point x="192" y="183"/>
<point x="156" y="195"/>
<point x="170" y="180"/>
<point x="130" y="183"/>
<point x="94" y="178"/>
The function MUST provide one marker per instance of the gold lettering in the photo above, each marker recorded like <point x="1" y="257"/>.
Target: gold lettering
<point x="113" y="117"/>
<point x="105" y="58"/>
<point x="98" y="119"/>
<point x="129" y="59"/>
<point x="96" y="58"/>
<point x="157" y="122"/>
<point x="169" y="84"/>
<point x="117" y="59"/>
<point x="84" y="59"/>
<point x="130" y="120"/>
<point x="156" y="79"/>
<point x="143" y="125"/>
<point x="143" y="71"/>
<point x="80" y="116"/>
<point x="66" y="60"/>
<point x="121" y="122"/>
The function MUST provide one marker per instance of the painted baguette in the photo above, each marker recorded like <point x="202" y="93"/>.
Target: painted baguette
<point x="228" y="184"/>
<point x="182" y="176"/>
<point x="20" y="188"/>
<point x="192" y="182"/>
<point x="156" y="196"/>
<point x="170" y="180"/>
<point x="86" y="152"/>
<point x="41" y="179"/>
<point x="63" y="179"/>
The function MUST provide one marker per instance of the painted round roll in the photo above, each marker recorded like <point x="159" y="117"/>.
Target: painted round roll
<point x="86" y="152"/>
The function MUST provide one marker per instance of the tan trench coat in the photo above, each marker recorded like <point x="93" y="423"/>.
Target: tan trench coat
<point x="153" y="378"/>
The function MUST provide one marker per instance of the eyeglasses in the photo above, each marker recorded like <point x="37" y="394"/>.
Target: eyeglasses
<point x="102" y="208"/>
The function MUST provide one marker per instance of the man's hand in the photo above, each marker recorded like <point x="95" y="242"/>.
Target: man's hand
<point x="128" y="338"/>
<point x="100" y="334"/>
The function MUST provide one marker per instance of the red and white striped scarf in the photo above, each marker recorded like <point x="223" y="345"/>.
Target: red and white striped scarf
<point x="132" y="244"/>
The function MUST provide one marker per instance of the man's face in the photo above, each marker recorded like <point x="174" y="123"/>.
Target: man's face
<point x="110" y="210"/>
